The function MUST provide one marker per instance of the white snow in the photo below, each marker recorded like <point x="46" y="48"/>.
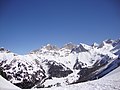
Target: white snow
<point x="6" y="85"/>
<point x="89" y="57"/>
<point x="109" y="82"/>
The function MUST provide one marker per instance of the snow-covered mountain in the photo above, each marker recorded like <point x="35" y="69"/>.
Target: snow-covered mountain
<point x="51" y="66"/>
<point x="110" y="81"/>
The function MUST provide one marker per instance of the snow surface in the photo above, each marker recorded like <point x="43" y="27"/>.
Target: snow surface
<point x="6" y="85"/>
<point x="109" y="82"/>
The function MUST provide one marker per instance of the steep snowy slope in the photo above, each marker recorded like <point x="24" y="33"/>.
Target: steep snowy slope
<point x="108" y="82"/>
<point x="117" y="70"/>
<point x="6" y="85"/>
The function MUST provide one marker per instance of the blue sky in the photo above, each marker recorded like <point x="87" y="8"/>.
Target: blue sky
<point x="26" y="25"/>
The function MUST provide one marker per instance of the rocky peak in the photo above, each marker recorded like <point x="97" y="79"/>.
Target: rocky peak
<point x="95" y="45"/>
<point x="47" y="47"/>
<point x="116" y="42"/>
<point x="79" y="48"/>
<point x="50" y="47"/>
<point x="112" y="42"/>
<point x="69" y="46"/>
<point x="102" y="44"/>
<point x="2" y="49"/>
<point x="109" y="41"/>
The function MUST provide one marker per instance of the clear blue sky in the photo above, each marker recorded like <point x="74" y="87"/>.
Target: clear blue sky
<point x="26" y="25"/>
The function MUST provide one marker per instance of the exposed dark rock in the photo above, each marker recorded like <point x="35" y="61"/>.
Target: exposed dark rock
<point x="25" y="84"/>
<point x="78" y="49"/>
<point x="57" y="69"/>
<point x="2" y="73"/>
<point x="78" y="65"/>
<point x="2" y="49"/>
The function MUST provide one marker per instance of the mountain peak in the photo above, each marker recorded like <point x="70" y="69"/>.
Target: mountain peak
<point x="48" y="44"/>
<point x="95" y="45"/>
<point x="109" y="41"/>
<point x="70" y="46"/>
<point x="80" y="48"/>
<point x="2" y="49"/>
<point x="52" y="66"/>
<point x="50" y="47"/>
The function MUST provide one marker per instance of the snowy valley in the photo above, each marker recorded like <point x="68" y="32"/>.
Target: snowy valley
<point x="71" y="67"/>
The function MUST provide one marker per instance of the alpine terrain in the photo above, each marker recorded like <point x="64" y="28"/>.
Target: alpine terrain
<point x="72" y="67"/>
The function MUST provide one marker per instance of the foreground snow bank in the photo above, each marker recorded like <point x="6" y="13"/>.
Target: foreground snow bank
<point x="6" y="85"/>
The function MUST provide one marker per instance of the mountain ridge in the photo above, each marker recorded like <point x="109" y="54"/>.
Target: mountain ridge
<point x="52" y="66"/>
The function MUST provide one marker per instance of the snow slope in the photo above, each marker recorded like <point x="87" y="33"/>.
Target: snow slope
<point x="117" y="70"/>
<point x="109" y="82"/>
<point x="6" y="85"/>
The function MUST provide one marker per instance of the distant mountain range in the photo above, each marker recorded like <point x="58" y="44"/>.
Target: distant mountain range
<point x="51" y="66"/>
